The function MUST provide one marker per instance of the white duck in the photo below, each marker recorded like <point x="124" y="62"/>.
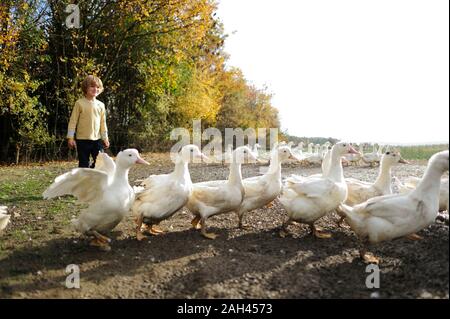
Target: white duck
<point x="326" y="162"/>
<point x="4" y="217"/>
<point x="308" y="199"/>
<point x="316" y="157"/>
<point x="373" y="157"/>
<point x="354" y="159"/>
<point x="393" y="216"/>
<point x="360" y="191"/>
<point x="262" y="190"/>
<point x="299" y="148"/>
<point x="255" y="148"/>
<point x="411" y="183"/>
<point x="109" y="198"/>
<point x="105" y="164"/>
<point x="216" y="197"/>
<point x="165" y="194"/>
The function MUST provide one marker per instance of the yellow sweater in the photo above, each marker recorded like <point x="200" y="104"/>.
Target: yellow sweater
<point x="88" y="120"/>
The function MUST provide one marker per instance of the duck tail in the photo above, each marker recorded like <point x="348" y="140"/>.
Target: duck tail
<point x="351" y="216"/>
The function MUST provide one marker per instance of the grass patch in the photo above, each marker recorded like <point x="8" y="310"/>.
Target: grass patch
<point x="420" y="152"/>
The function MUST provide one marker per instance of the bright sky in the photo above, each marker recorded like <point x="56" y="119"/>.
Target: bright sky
<point x="358" y="70"/>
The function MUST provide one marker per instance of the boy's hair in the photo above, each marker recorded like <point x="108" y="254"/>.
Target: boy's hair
<point x="89" y="81"/>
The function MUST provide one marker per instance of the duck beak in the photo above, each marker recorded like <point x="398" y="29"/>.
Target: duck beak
<point x="203" y="157"/>
<point x="403" y="161"/>
<point x="351" y="150"/>
<point x="142" y="161"/>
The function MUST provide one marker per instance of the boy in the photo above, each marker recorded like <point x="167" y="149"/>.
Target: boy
<point x="87" y="126"/>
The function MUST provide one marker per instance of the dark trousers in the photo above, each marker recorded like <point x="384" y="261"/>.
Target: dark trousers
<point x="86" y="148"/>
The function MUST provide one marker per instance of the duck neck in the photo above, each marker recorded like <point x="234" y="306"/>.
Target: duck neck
<point x="235" y="176"/>
<point x="275" y="166"/>
<point x="335" y="171"/>
<point x="430" y="184"/>
<point x="121" y="174"/>
<point x="383" y="181"/>
<point x="326" y="163"/>
<point x="181" y="170"/>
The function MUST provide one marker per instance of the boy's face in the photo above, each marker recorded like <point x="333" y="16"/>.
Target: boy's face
<point x="93" y="91"/>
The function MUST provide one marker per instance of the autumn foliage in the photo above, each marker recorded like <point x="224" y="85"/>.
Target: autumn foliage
<point x="161" y="61"/>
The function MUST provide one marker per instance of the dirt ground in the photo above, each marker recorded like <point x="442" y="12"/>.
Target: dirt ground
<point x="251" y="263"/>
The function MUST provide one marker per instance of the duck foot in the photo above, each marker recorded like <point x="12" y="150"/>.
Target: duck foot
<point x="140" y="236"/>
<point x="269" y="205"/>
<point x="414" y="236"/>
<point x="209" y="235"/>
<point x="99" y="236"/>
<point x="100" y="244"/>
<point x="341" y="223"/>
<point x="369" y="259"/>
<point x="152" y="230"/>
<point x="156" y="229"/>
<point x="319" y="233"/>
<point x="196" y="222"/>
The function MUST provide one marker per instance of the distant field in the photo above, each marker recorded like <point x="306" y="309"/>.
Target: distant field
<point x="420" y="152"/>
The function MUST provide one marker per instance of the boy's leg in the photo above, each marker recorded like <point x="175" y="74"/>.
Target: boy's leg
<point x="83" y="153"/>
<point x="97" y="146"/>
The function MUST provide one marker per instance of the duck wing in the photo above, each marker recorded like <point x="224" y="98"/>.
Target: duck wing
<point x="312" y="187"/>
<point x="105" y="164"/>
<point x="209" y="195"/>
<point x="88" y="185"/>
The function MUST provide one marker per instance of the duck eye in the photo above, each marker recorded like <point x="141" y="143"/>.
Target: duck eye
<point x="245" y="152"/>
<point x="192" y="151"/>
<point x="129" y="155"/>
<point x="387" y="153"/>
<point x="345" y="145"/>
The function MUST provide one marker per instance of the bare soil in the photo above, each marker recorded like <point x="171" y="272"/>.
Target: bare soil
<point x="251" y="263"/>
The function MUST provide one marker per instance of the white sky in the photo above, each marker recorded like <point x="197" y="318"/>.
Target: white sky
<point x="357" y="70"/>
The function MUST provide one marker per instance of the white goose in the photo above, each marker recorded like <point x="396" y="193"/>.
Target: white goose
<point x="4" y="217"/>
<point x="308" y="199"/>
<point x="393" y="216"/>
<point x="216" y="197"/>
<point x="109" y="198"/>
<point x="262" y="190"/>
<point x="165" y="194"/>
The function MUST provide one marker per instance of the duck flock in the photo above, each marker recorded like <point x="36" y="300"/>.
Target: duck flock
<point x="372" y="210"/>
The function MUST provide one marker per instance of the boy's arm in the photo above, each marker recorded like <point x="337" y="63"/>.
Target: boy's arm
<point x="104" y="129"/>
<point x="73" y="125"/>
